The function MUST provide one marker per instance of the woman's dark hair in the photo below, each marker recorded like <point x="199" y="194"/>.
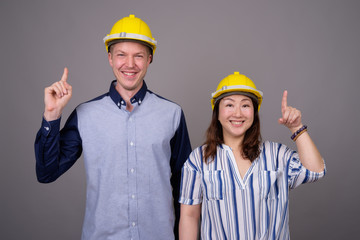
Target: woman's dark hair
<point x="214" y="136"/>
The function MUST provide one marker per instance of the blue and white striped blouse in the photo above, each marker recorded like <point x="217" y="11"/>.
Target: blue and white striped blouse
<point x="253" y="207"/>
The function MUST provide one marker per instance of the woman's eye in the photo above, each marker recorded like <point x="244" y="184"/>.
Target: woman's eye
<point x="246" y="106"/>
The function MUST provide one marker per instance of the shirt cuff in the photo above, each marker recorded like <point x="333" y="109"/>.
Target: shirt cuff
<point x="50" y="127"/>
<point x="186" y="201"/>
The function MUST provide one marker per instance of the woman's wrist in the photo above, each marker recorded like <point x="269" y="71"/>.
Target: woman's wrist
<point x="298" y="132"/>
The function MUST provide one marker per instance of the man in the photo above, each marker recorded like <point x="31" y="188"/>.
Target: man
<point x="134" y="144"/>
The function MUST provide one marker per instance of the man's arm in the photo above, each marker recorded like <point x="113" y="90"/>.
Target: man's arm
<point x="181" y="148"/>
<point x="56" y="151"/>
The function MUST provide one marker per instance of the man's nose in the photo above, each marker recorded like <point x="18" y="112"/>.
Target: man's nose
<point x="130" y="62"/>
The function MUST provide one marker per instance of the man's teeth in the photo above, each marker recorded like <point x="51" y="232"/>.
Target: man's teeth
<point x="129" y="74"/>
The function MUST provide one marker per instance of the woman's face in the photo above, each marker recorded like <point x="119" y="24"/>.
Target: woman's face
<point x="236" y="115"/>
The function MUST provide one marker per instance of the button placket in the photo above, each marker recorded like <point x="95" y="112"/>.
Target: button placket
<point x="132" y="176"/>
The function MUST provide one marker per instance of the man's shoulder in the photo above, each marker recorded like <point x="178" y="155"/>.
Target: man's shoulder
<point x="90" y="104"/>
<point x="95" y="99"/>
<point x="162" y="100"/>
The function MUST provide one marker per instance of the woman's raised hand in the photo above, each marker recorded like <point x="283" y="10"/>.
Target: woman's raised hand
<point x="291" y="117"/>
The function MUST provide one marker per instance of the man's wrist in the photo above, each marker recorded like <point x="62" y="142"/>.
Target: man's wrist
<point x="51" y="116"/>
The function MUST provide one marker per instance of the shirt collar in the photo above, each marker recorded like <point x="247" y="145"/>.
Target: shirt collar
<point x="119" y="101"/>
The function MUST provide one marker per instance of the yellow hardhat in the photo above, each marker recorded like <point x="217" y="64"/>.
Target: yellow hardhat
<point x="131" y="28"/>
<point x="236" y="83"/>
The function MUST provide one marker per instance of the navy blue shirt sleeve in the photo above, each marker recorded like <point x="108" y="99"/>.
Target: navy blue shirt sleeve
<point x="56" y="151"/>
<point x="180" y="150"/>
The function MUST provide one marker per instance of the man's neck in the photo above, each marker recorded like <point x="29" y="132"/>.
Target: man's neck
<point x="126" y="95"/>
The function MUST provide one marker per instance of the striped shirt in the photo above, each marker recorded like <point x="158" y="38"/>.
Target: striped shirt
<point x="253" y="207"/>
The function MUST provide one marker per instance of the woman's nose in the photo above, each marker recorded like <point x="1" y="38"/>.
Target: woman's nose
<point x="237" y="111"/>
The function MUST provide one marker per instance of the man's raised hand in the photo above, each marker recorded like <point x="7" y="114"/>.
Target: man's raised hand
<point x="56" y="97"/>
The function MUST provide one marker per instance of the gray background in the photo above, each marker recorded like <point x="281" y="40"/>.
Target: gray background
<point x="309" y="47"/>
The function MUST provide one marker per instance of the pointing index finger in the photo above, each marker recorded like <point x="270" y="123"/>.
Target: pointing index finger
<point x="65" y="75"/>
<point x="284" y="101"/>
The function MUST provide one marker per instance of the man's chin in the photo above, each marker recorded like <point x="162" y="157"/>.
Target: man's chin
<point x="129" y="87"/>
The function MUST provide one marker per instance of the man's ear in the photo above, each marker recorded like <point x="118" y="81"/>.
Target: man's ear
<point x="110" y="59"/>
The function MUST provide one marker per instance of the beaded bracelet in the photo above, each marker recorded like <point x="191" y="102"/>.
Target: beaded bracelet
<point x="298" y="132"/>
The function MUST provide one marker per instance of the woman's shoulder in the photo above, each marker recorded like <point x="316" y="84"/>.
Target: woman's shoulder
<point x="195" y="159"/>
<point x="197" y="153"/>
<point x="199" y="149"/>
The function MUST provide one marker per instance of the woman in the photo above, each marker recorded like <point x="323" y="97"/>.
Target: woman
<point x="239" y="185"/>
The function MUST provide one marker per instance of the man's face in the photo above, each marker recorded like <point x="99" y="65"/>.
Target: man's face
<point x="129" y="62"/>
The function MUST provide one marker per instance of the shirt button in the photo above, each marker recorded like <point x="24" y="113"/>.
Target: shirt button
<point x="133" y="196"/>
<point x="132" y="170"/>
<point x="122" y="102"/>
<point x="118" y="104"/>
<point x="131" y="144"/>
<point x="133" y="224"/>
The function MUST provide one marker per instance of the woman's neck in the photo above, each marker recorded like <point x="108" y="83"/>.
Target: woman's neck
<point x="234" y="143"/>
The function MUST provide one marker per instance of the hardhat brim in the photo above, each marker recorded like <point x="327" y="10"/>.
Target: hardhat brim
<point x="112" y="42"/>
<point x="229" y="90"/>
<point x="130" y="36"/>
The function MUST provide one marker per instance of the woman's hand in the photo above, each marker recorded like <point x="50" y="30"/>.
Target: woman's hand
<point x="291" y="117"/>
<point x="308" y="153"/>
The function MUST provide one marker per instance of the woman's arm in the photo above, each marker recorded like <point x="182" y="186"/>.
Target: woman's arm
<point x="189" y="221"/>
<point x="309" y="155"/>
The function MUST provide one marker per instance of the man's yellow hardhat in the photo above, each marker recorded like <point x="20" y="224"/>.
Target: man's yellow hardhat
<point x="130" y="28"/>
<point x="236" y="83"/>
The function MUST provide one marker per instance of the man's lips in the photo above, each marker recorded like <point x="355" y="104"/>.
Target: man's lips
<point x="129" y="73"/>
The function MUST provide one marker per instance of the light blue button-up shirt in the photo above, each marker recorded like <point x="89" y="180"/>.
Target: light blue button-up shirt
<point x="133" y="163"/>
